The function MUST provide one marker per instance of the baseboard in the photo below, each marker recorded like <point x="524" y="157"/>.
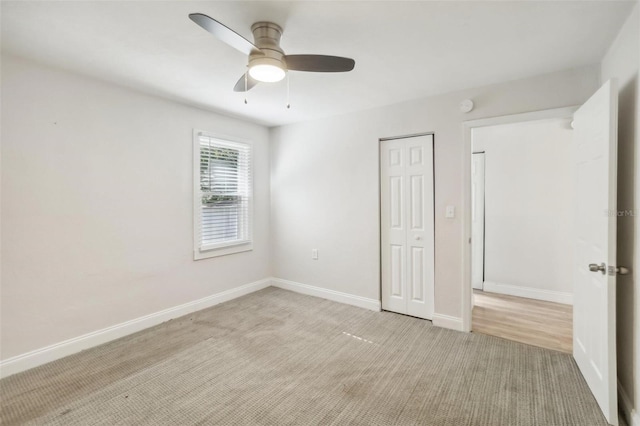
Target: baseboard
<point x="447" y="321"/>
<point x="336" y="296"/>
<point x="529" y="292"/>
<point x="630" y="414"/>
<point x="59" y="350"/>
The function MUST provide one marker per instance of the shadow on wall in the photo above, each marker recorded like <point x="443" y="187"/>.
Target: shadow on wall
<point x="627" y="217"/>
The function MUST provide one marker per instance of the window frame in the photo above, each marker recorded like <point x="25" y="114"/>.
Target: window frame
<point x="225" y="248"/>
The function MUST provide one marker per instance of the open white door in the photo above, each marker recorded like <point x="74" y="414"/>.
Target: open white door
<point x="594" y="307"/>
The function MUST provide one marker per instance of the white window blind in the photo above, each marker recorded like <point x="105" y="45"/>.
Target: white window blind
<point x="224" y="193"/>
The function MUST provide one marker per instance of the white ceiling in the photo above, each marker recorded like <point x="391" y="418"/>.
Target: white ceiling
<point x="403" y="50"/>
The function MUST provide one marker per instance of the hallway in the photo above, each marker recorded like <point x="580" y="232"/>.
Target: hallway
<point x="535" y="322"/>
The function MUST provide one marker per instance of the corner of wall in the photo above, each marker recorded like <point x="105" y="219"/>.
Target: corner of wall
<point x="271" y="139"/>
<point x="629" y="413"/>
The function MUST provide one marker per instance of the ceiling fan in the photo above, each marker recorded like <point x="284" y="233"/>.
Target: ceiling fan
<point x="267" y="61"/>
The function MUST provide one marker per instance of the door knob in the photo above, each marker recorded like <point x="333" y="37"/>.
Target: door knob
<point x="417" y="237"/>
<point x="594" y="267"/>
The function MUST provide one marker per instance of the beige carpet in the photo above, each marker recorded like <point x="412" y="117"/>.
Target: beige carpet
<point x="280" y="358"/>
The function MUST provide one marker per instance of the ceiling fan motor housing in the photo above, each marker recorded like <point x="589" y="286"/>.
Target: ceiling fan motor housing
<point x="266" y="37"/>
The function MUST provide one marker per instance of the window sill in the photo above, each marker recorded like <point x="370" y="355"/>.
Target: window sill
<point x="222" y="251"/>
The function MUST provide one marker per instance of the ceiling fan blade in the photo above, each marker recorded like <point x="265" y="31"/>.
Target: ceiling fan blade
<point x="319" y="63"/>
<point x="223" y="32"/>
<point x="240" y="85"/>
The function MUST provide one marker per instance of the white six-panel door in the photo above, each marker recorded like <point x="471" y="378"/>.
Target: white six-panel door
<point x="407" y="225"/>
<point x="594" y="305"/>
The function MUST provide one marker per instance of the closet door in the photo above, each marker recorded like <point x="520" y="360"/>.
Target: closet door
<point x="407" y="225"/>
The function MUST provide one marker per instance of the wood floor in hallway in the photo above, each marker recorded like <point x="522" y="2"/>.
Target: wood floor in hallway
<point x="535" y="322"/>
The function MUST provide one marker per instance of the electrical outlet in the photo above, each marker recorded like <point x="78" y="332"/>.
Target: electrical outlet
<point x="450" y="212"/>
<point x="314" y="254"/>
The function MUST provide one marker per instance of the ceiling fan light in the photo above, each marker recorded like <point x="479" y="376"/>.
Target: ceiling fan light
<point x="266" y="73"/>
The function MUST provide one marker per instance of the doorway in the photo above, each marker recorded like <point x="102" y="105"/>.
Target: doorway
<point x="522" y="242"/>
<point x="594" y="166"/>
<point x="407" y="225"/>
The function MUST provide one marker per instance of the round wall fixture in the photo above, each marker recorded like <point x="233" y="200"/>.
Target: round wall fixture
<point x="466" y="105"/>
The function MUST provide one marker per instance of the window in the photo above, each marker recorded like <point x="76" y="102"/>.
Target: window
<point x="222" y="196"/>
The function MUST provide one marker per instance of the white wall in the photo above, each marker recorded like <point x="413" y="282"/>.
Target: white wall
<point x="621" y="62"/>
<point x="324" y="182"/>
<point x="97" y="206"/>
<point x="528" y="208"/>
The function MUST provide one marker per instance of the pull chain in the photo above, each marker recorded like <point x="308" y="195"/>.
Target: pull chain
<point x="288" y="99"/>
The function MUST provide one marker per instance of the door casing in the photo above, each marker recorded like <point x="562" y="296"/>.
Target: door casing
<point x="479" y="225"/>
